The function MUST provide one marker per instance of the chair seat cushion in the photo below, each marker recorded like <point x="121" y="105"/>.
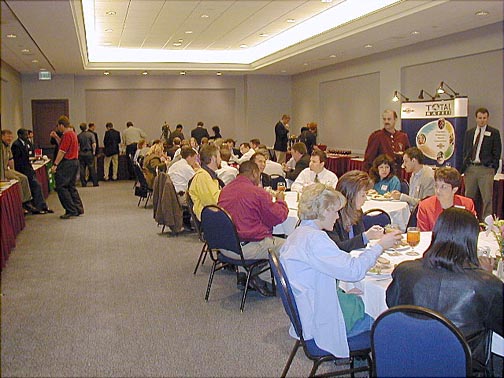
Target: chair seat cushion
<point x="238" y="261"/>
<point x="357" y="343"/>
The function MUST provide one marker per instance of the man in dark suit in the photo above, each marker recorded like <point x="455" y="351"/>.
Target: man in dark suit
<point x="22" y="164"/>
<point x="260" y="160"/>
<point x="302" y="159"/>
<point x="482" y="151"/>
<point x="281" y="138"/>
<point x="199" y="132"/>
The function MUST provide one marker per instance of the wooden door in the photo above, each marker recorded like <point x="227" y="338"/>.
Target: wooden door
<point x="45" y="114"/>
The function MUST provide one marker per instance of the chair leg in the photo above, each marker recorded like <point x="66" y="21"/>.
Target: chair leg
<point x="202" y="255"/>
<point x="291" y="357"/>
<point x="245" y="291"/>
<point x="316" y="365"/>
<point x="162" y="230"/>
<point x="147" y="200"/>
<point x="139" y="200"/>
<point x="210" y="279"/>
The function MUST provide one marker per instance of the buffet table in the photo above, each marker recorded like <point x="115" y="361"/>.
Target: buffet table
<point x="40" y="168"/>
<point x="11" y="218"/>
<point x="374" y="286"/>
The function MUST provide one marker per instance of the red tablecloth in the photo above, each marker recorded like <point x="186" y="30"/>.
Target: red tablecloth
<point x="338" y="164"/>
<point x="41" y="174"/>
<point x="11" y="220"/>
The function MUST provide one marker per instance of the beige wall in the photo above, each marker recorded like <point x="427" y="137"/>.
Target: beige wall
<point x="12" y="98"/>
<point x="470" y="62"/>
<point x="244" y="106"/>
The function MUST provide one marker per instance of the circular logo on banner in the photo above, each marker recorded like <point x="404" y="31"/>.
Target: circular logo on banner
<point x="436" y="140"/>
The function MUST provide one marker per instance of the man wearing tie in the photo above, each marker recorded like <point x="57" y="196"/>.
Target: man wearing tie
<point x="482" y="151"/>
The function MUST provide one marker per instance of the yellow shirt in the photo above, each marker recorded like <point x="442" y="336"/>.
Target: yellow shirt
<point x="204" y="191"/>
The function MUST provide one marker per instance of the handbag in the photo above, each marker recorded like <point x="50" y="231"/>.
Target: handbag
<point x="352" y="307"/>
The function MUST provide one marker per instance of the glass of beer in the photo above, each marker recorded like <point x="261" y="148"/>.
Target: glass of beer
<point x="281" y="187"/>
<point x="413" y="238"/>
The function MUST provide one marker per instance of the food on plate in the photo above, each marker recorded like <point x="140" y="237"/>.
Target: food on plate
<point x="387" y="195"/>
<point x="372" y="192"/>
<point x="383" y="260"/>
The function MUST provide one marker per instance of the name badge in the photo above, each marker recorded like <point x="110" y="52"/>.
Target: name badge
<point x="487" y="133"/>
<point x="459" y="206"/>
<point x="384" y="187"/>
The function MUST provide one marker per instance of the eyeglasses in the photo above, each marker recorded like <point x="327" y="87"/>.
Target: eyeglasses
<point x="443" y="186"/>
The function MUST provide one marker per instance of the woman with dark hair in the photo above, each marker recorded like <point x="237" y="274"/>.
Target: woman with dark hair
<point x="451" y="280"/>
<point x="216" y="131"/>
<point x="383" y="175"/>
<point x="348" y="232"/>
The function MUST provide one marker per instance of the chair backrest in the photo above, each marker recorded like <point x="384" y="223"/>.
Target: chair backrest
<point x="219" y="230"/>
<point x="412" y="221"/>
<point x="275" y="179"/>
<point x="374" y="217"/>
<point x="288" y="300"/>
<point x="196" y="221"/>
<point x="404" y="187"/>
<point x="144" y="188"/>
<point x="413" y="341"/>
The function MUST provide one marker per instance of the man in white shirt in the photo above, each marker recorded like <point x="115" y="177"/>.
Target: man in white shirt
<point x="272" y="167"/>
<point x="246" y="152"/>
<point x="183" y="170"/>
<point x="226" y="173"/>
<point x="131" y="137"/>
<point x="315" y="173"/>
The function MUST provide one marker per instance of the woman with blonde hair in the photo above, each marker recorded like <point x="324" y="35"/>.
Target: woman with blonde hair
<point x="154" y="160"/>
<point x="348" y="231"/>
<point x="314" y="264"/>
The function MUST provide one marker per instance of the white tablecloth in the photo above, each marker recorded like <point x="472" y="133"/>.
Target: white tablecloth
<point x="398" y="210"/>
<point x="374" y="286"/>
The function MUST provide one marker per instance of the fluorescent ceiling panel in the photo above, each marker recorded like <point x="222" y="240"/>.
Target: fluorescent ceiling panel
<point x="333" y="17"/>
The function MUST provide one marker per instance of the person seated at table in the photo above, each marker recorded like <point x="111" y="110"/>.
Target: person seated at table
<point x="271" y="167"/>
<point x="450" y="279"/>
<point x="313" y="263"/>
<point x="421" y="183"/>
<point x="260" y="160"/>
<point x="183" y="170"/>
<point x="301" y="158"/>
<point x="348" y="231"/>
<point x="383" y="175"/>
<point x="315" y="173"/>
<point x="254" y="215"/>
<point x="226" y="172"/>
<point x="22" y="164"/>
<point x="155" y="160"/>
<point x="447" y="183"/>
<point x="246" y="153"/>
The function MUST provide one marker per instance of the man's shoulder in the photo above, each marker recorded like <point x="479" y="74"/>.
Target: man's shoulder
<point x="377" y="133"/>
<point x="493" y="130"/>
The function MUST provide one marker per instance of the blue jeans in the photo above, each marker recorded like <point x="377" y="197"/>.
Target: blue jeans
<point x="361" y="326"/>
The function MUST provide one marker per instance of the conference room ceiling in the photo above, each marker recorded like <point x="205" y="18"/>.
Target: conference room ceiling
<point x="50" y="35"/>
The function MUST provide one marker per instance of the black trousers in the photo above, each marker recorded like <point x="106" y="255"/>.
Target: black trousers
<point x="130" y="153"/>
<point x="86" y="159"/>
<point x="37" y="196"/>
<point x="65" y="177"/>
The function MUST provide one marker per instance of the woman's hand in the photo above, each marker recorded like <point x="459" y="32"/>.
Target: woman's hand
<point x="395" y="194"/>
<point x="375" y="232"/>
<point x="390" y="239"/>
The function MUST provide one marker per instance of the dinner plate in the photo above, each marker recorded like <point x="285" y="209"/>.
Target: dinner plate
<point x="381" y="198"/>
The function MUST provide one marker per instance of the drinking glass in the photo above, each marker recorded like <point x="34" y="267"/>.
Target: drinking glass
<point x="281" y="187"/>
<point x="413" y="238"/>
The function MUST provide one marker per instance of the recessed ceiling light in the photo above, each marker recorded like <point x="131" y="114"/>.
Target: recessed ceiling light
<point x="11" y="35"/>
<point x="106" y="73"/>
<point x="34" y="61"/>
<point x="368" y="46"/>
<point x="263" y="35"/>
<point x="42" y="69"/>
<point x="332" y="56"/>
<point x="243" y="46"/>
<point x="219" y="73"/>
<point x="25" y="51"/>
<point x="182" y="73"/>
<point x="291" y="20"/>
<point x="145" y="73"/>
<point x="204" y="16"/>
<point x="415" y="32"/>
<point x="305" y="64"/>
<point x="177" y="44"/>
<point x="181" y="40"/>
<point x="482" y="13"/>
<point x="326" y="1"/>
<point x="189" y="32"/>
<point x="109" y="30"/>
<point x="110" y="13"/>
<point x="283" y="71"/>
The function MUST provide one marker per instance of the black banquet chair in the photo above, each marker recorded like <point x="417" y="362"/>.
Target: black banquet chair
<point x="220" y="233"/>
<point x="360" y="345"/>
<point x="142" y="190"/>
<point x="197" y="225"/>
<point x="275" y="179"/>
<point x="413" y="341"/>
<point x="374" y="217"/>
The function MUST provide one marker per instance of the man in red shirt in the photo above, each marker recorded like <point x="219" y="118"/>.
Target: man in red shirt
<point x="447" y="183"/>
<point x="388" y="141"/>
<point x="254" y="215"/>
<point x="66" y="166"/>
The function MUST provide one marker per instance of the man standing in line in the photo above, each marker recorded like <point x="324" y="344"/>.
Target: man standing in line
<point x="281" y="138"/>
<point x="131" y="137"/>
<point x="387" y="141"/>
<point x="254" y="215"/>
<point x="482" y="151"/>
<point x="92" y="128"/>
<point x="22" y="164"/>
<point x="421" y="184"/>
<point x="111" y="143"/>
<point x="87" y="148"/>
<point x="66" y="167"/>
<point x="199" y="132"/>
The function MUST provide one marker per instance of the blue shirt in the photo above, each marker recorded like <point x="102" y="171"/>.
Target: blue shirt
<point x="387" y="185"/>
<point x="313" y="263"/>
